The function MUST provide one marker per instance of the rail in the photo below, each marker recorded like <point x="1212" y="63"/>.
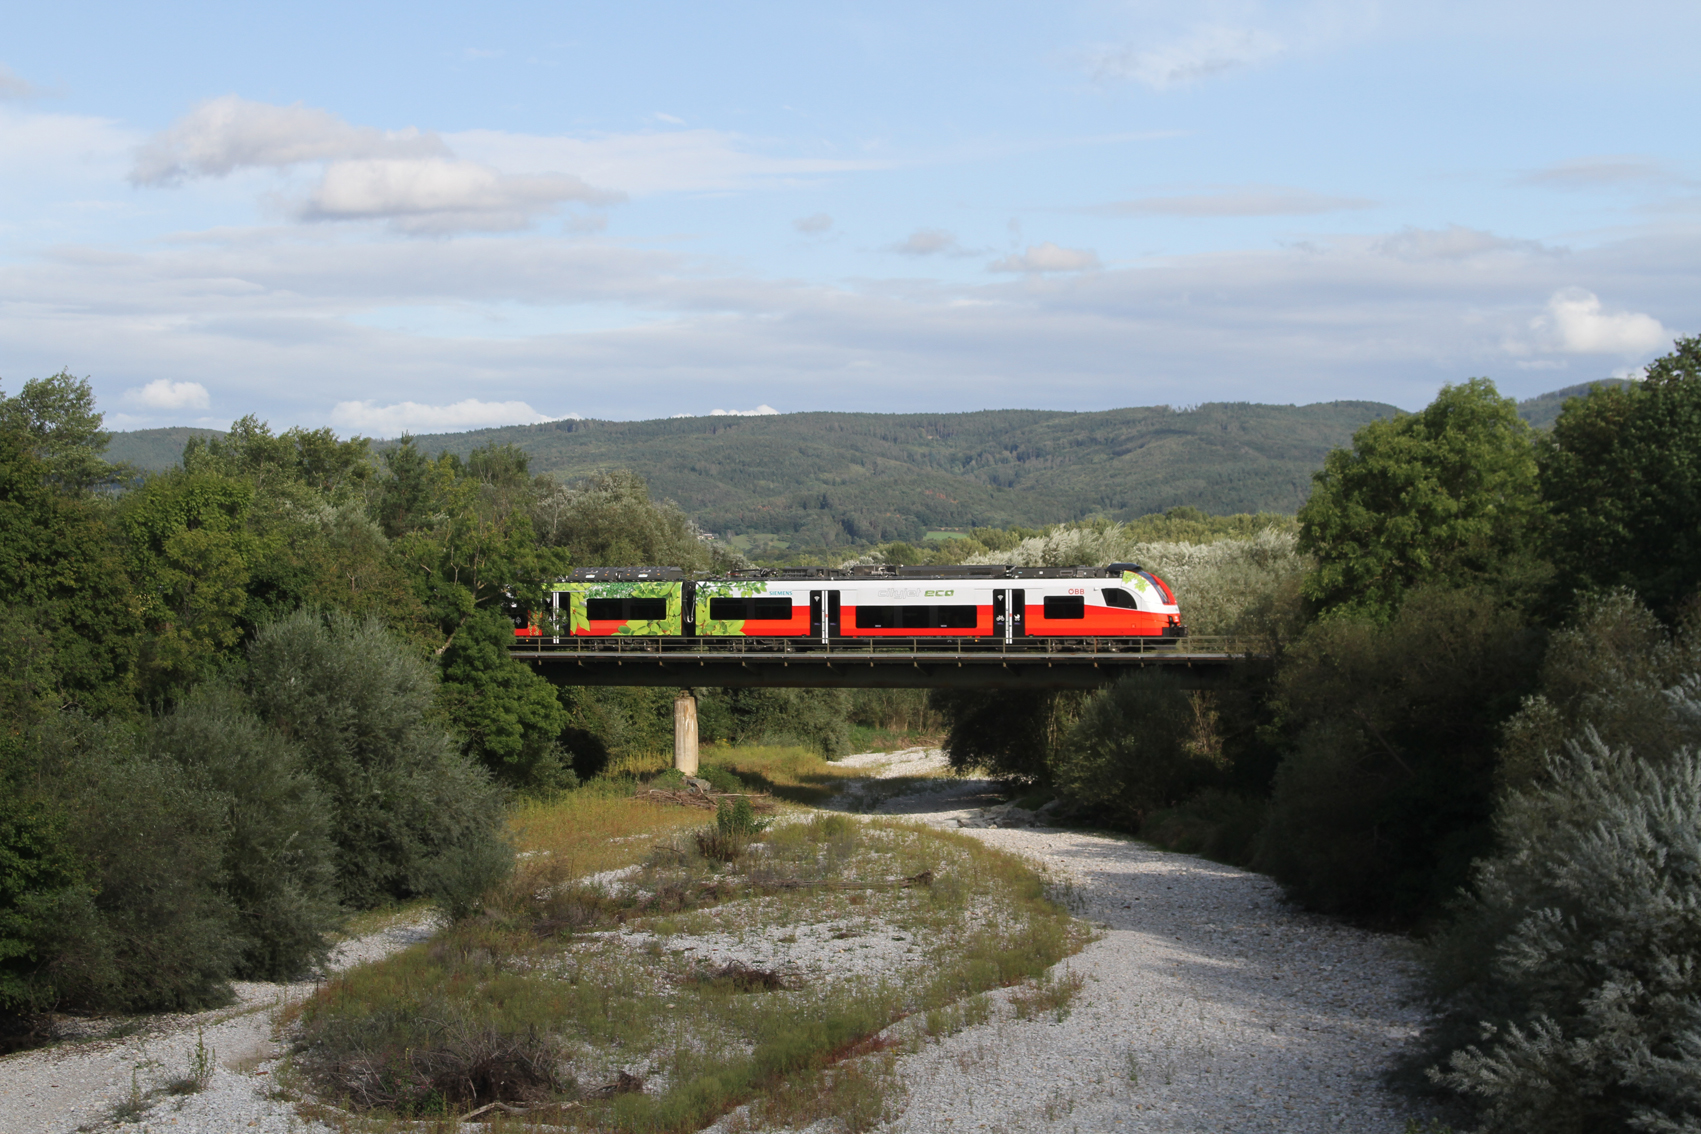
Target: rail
<point x="882" y="648"/>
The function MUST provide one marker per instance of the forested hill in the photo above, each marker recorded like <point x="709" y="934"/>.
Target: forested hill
<point x="817" y="479"/>
<point x="825" y="479"/>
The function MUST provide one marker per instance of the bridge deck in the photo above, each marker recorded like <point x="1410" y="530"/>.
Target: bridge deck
<point x="1034" y="663"/>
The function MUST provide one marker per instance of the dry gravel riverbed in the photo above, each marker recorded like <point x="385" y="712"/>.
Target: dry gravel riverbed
<point x="1207" y="1004"/>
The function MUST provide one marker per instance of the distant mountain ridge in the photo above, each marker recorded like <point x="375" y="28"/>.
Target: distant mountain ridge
<point x="827" y="479"/>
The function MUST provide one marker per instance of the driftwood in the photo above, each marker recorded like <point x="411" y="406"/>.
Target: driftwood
<point x="706" y="801"/>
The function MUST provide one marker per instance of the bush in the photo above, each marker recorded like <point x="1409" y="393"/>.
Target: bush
<point x="1609" y="670"/>
<point x="1145" y="743"/>
<point x="508" y="715"/>
<point x="1011" y="734"/>
<point x="411" y="813"/>
<point x="812" y="718"/>
<point x="1385" y="794"/>
<point x="1576" y="961"/>
<point x="278" y="858"/>
<point x="154" y="929"/>
<point x="1220" y="825"/>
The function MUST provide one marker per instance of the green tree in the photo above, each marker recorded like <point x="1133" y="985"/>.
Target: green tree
<point x="508" y="716"/>
<point x="1445" y="494"/>
<point x="58" y="417"/>
<point x="412" y="815"/>
<point x="610" y="521"/>
<point x="70" y="625"/>
<point x="479" y="544"/>
<point x="1622" y="476"/>
<point x="189" y="551"/>
<point x="314" y="458"/>
<point x="1385" y="793"/>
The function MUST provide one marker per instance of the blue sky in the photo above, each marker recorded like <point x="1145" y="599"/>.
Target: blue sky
<point x="430" y="216"/>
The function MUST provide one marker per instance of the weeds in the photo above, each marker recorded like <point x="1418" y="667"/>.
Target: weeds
<point x="558" y="974"/>
<point x="200" y="1069"/>
<point x="1052" y="993"/>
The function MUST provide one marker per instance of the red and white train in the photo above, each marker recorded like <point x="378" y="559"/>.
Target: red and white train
<point x="827" y="605"/>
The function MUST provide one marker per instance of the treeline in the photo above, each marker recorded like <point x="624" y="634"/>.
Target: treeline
<point x="1475" y="713"/>
<point x="247" y="695"/>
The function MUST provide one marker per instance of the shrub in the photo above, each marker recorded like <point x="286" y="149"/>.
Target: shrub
<point x="411" y="814"/>
<point x="1576" y="961"/>
<point x="279" y="861"/>
<point x="1218" y="824"/>
<point x="157" y="930"/>
<point x="1385" y="794"/>
<point x="1144" y="744"/>
<point x="508" y="716"/>
<point x="1010" y="734"/>
<point x="1609" y="669"/>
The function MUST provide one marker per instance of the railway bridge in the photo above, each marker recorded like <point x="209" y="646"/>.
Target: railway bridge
<point x="881" y="663"/>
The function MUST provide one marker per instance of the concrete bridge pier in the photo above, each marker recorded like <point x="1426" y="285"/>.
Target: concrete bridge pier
<point x="685" y="732"/>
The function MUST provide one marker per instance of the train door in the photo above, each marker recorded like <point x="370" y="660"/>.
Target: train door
<point x="1018" y="614"/>
<point x="1000" y="617"/>
<point x="823" y="615"/>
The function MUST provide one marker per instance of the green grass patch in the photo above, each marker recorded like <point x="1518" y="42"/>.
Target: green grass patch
<point x="562" y="992"/>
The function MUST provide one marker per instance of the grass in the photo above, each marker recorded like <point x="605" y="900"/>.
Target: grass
<point x="559" y="989"/>
<point x="789" y="772"/>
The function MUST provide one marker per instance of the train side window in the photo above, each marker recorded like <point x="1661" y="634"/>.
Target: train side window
<point x="772" y="608"/>
<point x="605" y="609"/>
<point x="956" y="617"/>
<point x="729" y="609"/>
<point x="647" y="608"/>
<point x="620" y="609"/>
<point x="1116" y="596"/>
<point x="1065" y="606"/>
<point x="879" y="617"/>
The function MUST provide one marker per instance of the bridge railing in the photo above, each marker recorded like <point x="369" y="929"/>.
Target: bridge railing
<point x="884" y="648"/>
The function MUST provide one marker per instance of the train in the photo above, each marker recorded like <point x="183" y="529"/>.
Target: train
<point x="1123" y="601"/>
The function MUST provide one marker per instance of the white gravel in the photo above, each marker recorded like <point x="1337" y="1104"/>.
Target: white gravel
<point x="1209" y="1004"/>
<point x="78" y="1084"/>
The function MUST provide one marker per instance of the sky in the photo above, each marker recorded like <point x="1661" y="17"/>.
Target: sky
<point x="424" y="217"/>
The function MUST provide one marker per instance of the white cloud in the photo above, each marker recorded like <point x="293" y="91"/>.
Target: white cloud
<point x="407" y="417"/>
<point x="14" y="85"/>
<point x="1455" y="242"/>
<point x="1598" y="172"/>
<point x="665" y="161"/>
<point x="1207" y="50"/>
<point x="659" y="116"/>
<point x="438" y="195"/>
<point x="1252" y="201"/>
<point x="225" y="134"/>
<point x="164" y="394"/>
<point x="927" y="241"/>
<point x="1048" y="257"/>
<point x="1575" y="323"/>
<point x="760" y="411"/>
<point x="813" y="225"/>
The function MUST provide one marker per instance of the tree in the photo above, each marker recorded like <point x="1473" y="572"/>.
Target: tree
<point x="1446" y="494"/>
<point x="189" y="551"/>
<point x="1622" y="476"/>
<point x="71" y="629"/>
<point x="412" y="815"/>
<point x="57" y="415"/>
<point x="610" y="521"/>
<point x="478" y="544"/>
<point x="508" y="716"/>
<point x="1386" y="791"/>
